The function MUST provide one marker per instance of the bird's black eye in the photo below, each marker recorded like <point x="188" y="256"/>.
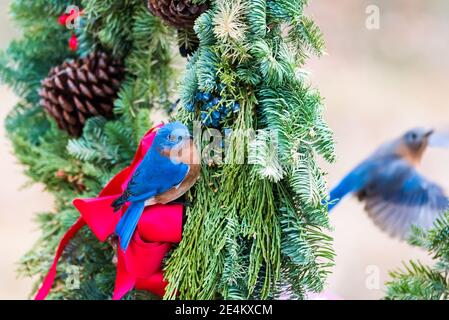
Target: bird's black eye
<point x="179" y="139"/>
<point x="413" y="136"/>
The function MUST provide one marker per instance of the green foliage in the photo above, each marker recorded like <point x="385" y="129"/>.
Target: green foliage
<point x="253" y="230"/>
<point x="45" y="42"/>
<point x="417" y="281"/>
<point x="71" y="168"/>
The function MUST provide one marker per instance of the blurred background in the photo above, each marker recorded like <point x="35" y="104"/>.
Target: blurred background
<point x="377" y="83"/>
<point x="17" y="204"/>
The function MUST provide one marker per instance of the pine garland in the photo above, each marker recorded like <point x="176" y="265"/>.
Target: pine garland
<point x="277" y="241"/>
<point x="71" y="168"/>
<point x="253" y="230"/>
<point x="420" y="282"/>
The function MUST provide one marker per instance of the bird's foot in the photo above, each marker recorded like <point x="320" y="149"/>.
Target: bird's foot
<point x="113" y="241"/>
<point x="185" y="203"/>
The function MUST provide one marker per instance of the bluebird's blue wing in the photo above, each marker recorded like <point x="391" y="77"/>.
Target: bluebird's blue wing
<point x="398" y="197"/>
<point x="155" y="177"/>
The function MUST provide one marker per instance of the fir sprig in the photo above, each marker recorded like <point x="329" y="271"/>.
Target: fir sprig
<point x="416" y="281"/>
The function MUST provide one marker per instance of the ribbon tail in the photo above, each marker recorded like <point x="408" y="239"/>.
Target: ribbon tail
<point x="124" y="282"/>
<point x="155" y="284"/>
<point x="50" y="277"/>
<point x="98" y="215"/>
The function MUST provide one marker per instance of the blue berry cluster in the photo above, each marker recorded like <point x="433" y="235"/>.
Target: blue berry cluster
<point x="213" y="111"/>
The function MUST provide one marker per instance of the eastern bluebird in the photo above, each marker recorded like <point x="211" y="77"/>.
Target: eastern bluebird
<point x="170" y="167"/>
<point x="395" y="194"/>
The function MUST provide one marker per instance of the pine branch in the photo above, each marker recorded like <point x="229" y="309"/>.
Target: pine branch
<point x="277" y="202"/>
<point x="417" y="281"/>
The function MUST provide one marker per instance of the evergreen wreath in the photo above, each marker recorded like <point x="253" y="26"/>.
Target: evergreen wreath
<point x="253" y="230"/>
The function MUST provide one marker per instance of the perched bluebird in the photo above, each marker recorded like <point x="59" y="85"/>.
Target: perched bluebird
<point x="170" y="167"/>
<point x="395" y="194"/>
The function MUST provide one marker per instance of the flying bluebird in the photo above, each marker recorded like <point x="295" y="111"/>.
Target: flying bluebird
<point x="395" y="194"/>
<point x="170" y="167"/>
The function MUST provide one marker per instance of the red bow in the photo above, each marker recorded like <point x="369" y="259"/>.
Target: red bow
<point x="159" y="226"/>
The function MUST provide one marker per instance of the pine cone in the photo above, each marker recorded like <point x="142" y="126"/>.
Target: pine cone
<point x="80" y="89"/>
<point x="177" y="13"/>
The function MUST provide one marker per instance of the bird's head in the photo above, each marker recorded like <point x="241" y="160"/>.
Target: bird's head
<point x="415" y="142"/>
<point x="417" y="139"/>
<point x="174" y="141"/>
<point x="171" y="135"/>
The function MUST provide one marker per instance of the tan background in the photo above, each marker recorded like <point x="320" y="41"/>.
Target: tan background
<point x="17" y="204"/>
<point x="376" y="84"/>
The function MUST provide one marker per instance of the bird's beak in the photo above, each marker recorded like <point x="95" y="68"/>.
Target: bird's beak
<point x="439" y="139"/>
<point x="429" y="133"/>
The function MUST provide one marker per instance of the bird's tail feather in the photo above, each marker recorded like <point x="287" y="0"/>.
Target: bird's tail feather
<point x="332" y="203"/>
<point x="128" y="223"/>
<point x="338" y="193"/>
<point x="349" y="184"/>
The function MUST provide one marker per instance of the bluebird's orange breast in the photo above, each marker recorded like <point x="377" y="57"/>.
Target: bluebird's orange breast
<point x="188" y="154"/>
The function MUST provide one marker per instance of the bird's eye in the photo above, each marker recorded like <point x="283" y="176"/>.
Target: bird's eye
<point x="179" y="139"/>
<point x="413" y="136"/>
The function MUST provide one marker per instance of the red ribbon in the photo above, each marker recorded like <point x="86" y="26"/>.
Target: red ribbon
<point x="140" y="266"/>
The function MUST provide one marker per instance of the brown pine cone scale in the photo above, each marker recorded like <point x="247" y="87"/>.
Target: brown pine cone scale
<point x="180" y="14"/>
<point x="83" y="88"/>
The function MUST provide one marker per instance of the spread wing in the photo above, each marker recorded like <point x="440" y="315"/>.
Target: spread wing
<point x="398" y="197"/>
